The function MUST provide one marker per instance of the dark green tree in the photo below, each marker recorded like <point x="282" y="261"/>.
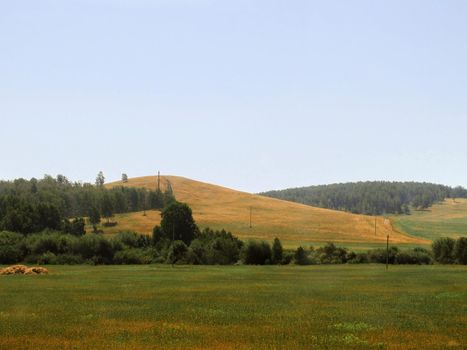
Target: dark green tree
<point x="460" y="250"/>
<point x="277" y="251"/>
<point x="94" y="217"/>
<point x="301" y="257"/>
<point x="177" y="222"/>
<point x="124" y="177"/>
<point x="443" y="250"/>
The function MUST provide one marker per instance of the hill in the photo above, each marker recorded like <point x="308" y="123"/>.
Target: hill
<point x="445" y="219"/>
<point x="219" y="207"/>
<point x="371" y="197"/>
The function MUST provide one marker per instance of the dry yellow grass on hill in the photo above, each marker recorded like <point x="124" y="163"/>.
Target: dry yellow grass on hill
<point x="219" y="207"/>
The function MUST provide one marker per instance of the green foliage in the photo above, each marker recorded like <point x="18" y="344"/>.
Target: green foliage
<point x="277" y="252"/>
<point x="35" y="205"/>
<point x="460" y="250"/>
<point x="177" y="223"/>
<point x="443" y="250"/>
<point x="301" y="257"/>
<point x="256" y="253"/>
<point x="215" y="248"/>
<point x="74" y="227"/>
<point x="373" y="198"/>
<point x="177" y="253"/>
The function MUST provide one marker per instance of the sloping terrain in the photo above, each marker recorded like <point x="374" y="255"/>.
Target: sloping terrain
<point x="446" y="219"/>
<point x="219" y="207"/>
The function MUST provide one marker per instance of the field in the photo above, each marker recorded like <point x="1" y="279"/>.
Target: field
<point x="295" y="224"/>
<point x="236" y="307"/>
<point x="447" y="219"/>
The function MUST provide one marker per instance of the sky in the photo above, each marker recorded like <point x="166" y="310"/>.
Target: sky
<point x="249" y="94"/>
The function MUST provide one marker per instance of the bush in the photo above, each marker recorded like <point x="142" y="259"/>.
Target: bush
<point x="443" y="250"/>
<point x="95" y="248"/>
<point x="256" y="253"/>
<point x="12" y="247"/>
<point x="132" y="256"/>
<point x="177" y="253"/>
<point x="301" y="257"/>
<point x="460" y="250"/>
<point x="417" y="256"/>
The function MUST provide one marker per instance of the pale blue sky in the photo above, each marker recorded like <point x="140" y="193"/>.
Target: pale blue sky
<point x="253" y="95"/>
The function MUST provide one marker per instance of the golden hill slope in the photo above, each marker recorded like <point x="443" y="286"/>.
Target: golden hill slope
<point x="219" y="207"/>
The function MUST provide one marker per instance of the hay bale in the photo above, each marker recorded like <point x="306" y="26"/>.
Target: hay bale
<point x="24" y="270"/>
<point x="36" y="270"/>
<point x="14" y="270"/>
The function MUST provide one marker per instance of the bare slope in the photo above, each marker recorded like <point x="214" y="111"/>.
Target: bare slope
<point x="220" y="207"/>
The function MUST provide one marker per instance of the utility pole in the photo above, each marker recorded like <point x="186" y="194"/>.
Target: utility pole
<point x="375" y="225"/>
<point x="159" y="181"/>
<point x="250" y="216"/>
<point x="387" y="251"/>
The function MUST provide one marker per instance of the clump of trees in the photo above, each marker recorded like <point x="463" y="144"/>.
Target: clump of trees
<point x="371" y="197"/>
<point x="449" y="251"/>
<point x="29" y="206"/>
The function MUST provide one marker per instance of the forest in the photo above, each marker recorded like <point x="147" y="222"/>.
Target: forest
<point x="29" y="206"/>
<point x="371" y="197"/>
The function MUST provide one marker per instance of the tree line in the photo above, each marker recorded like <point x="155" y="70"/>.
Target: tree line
<point x="28" y="206"/>
<point x="371" y="197"/>
<point x="178" y="240"/>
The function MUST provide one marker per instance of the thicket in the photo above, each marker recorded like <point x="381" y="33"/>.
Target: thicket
<point x="371" y="198"/>
<point x="29" y="206"/>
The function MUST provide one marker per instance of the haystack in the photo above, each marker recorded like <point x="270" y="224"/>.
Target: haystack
<point x="23" y="270"/>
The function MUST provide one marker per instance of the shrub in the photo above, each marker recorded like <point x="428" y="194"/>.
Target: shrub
<point x="95" y="248"/>
<point x="256" y="253"/>
<point x="132" y="256"/>
<point x="460" y="250"/>
<point x="12" y="247"/>
<point x="443" y="250"/>
<point x="414" y="256"/>
<point x="177" y="253"/>
<point x="301" y="257"/>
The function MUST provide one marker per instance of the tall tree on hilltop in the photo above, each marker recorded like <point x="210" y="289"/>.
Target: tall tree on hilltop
<point x="100" y="179"/>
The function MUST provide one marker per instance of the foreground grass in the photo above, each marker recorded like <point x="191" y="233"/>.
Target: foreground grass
<point x="236" y="307"/>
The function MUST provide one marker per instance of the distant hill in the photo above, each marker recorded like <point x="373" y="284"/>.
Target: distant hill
<point x="372" y="197"/>
<point x="219" y="207"/>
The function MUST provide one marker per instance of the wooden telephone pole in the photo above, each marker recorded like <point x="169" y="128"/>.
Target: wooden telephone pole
<point x="158" y="181"/>
<point x="250" y="216"/>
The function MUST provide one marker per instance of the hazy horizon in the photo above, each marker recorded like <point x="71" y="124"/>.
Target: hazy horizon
<point x="251" y="95"/>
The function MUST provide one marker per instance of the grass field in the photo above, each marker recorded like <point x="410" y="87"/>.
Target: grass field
<point x="236" y="307"/>
<point x="219" y="207"/>
<point x="447" y="219"/>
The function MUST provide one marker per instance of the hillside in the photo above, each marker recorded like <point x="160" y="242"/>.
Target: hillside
<point x="446" y="219"/>
<point x="371" y="197"/>
<point x="219" y="207"/>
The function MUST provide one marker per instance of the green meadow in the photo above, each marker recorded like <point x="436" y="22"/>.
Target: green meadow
<point x="446" y="219"/>
<point x="236" y="307"/>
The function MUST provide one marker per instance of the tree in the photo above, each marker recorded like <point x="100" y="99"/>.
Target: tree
<point x="107" y="207"/>
<point x="443" y="250"/>
<point x="277" y="251"/>
<point x="100" y="179"/>
<point x="94" y="217"/>
<point x="177" y="222"/>
<point x="301" y="257"/>
<point x="460" y="250"/>
<point x="124" y="177"/>
<point x="256" y="253"/>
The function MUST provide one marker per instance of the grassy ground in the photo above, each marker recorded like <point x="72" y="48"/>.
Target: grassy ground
<point x="447" y="219"/>
<point x="236" y="307"/>
<point x="219" y="207"/>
